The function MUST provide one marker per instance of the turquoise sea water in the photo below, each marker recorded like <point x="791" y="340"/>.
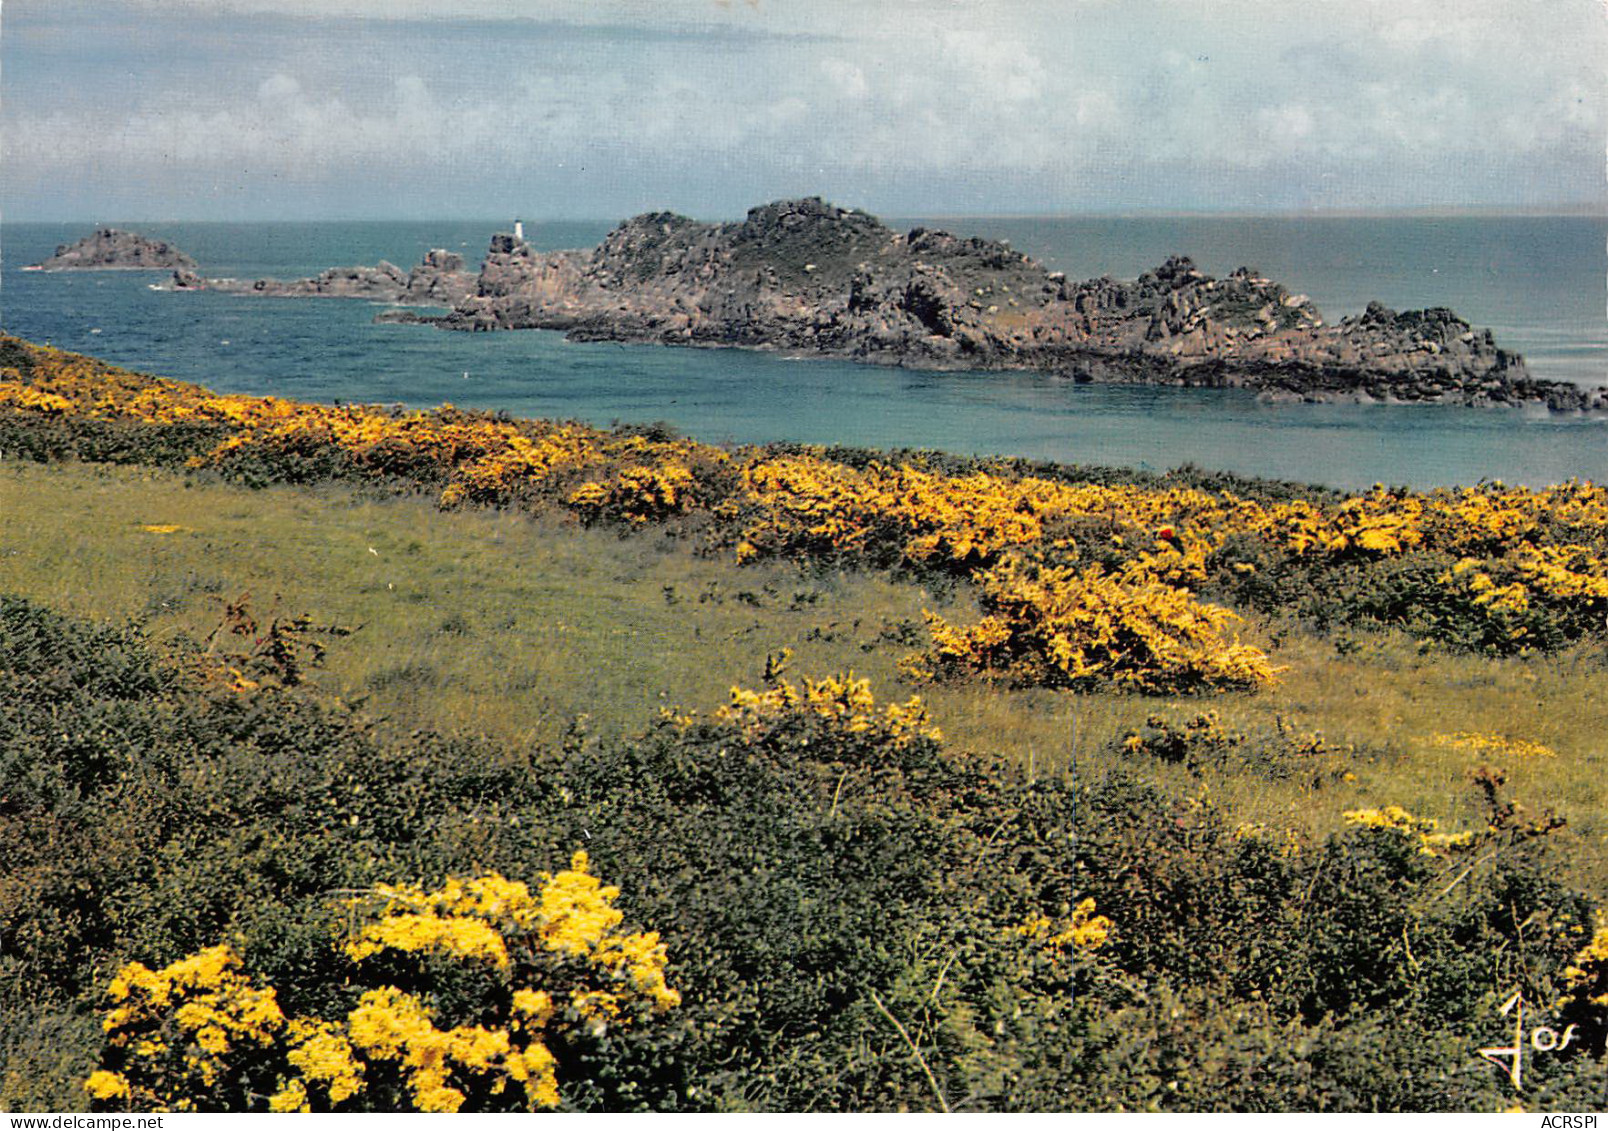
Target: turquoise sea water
<point x="1537" y="281"/>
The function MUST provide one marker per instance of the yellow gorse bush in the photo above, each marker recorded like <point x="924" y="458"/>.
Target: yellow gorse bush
<point x="1586" y="977"/>
<point x="809" y="498"/>
<point x="1515" y="547"/>
<point x="1571" y="571"/>
<point x="484" y="459"/>
<point x="324" y="1059"/>
<point x="844" y="702"/>
<point x="193" y="1034"/>
<point x="809" y="503"/>
<point x="1085" y="931"/>
<point x="639" y="494"/>
<point x="391" y="1025"/>
<point x="1424" y="830"/>
<point x="1062" y="627"/>
<point x="188" y="1018"/>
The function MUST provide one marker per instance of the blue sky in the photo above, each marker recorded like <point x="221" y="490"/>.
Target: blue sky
<point x="241" y="109"/>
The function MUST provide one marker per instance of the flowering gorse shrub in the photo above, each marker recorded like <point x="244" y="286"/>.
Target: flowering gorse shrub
<point x="1489" y="567"/>
<point x="1584" y="1000"/>
<point x="176" y="1028"/>
<point x="467" y="457"/>
<point x="1064" y="628"/>
<point x="1086" y="930"/>
<point x="898" y="512"/>
<point x="842" y="702"/>
<point x="638" y="494"/>
<point x="540" y="969"/>
<point x="1423" y="832"/>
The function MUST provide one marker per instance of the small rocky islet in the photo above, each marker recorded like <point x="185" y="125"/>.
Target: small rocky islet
<point x="112" y="249"/>
<point x="809" y="278"/>
<point x="438" y="280"/>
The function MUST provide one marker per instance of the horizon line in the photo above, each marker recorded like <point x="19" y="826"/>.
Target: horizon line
<point x="1591" y="210"/>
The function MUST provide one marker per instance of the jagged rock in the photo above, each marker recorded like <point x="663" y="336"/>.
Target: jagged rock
<point x="808" y="277"/>
<point x="440" y="259"/>
<point x="439" y="280"/>
<point x="110" y="249"/>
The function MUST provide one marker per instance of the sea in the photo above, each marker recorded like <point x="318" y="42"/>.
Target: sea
<point x="1537" y="281"/>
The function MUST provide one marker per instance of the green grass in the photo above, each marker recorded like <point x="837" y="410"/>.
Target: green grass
<point x="1391" y="701"/>
<point x="491" y="621"/>
<point x="512" y="626"/>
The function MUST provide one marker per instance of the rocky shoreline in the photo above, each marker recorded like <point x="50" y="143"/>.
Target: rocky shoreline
<point x="438" y="280"/>
<point x="812" y="279"/>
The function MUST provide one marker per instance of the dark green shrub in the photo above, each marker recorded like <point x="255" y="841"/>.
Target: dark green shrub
<point x="847" y="906"/>
<point x="1360" y="975"/>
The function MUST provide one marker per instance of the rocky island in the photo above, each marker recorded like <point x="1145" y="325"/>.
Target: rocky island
<point x="110" y="249"/>
<point x="810" y="278"/>
<point x="807" y="277"/>
<point x="438" y="280"/>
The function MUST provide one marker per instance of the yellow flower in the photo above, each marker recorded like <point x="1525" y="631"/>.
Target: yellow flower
<point x="1423" y="829"/>
<point x="104" y="1085"/>
<point x="1085" y="931"/>
<point x="415" y="933"/>
<point x="292" y="1097"/>
<point x="322" y="1053"/>
<point x="566" y="931"/>
<point x="1493" y="745"/>
<point x="1586" y="977"/>
<point x="843" y="700"/>
<point x="1061" y="627"/>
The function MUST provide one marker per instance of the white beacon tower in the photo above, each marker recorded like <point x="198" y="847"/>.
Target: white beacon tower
<point x="519" y="229"/>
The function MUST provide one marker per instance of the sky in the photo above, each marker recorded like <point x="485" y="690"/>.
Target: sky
<point x="596" y="109"/>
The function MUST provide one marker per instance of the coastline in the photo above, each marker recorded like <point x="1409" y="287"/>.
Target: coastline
<point x="812" y="277"/>
<point x="328" y="352"/>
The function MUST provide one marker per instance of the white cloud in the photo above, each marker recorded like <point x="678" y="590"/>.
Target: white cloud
<point x="278" y="87"/>
<point x="1286" y="124"/>
<point x="935" y="90"/>
<point x="995" y="67"/>
<point x="849" y="79"/>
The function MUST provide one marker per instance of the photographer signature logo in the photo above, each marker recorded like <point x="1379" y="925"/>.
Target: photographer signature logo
<point x="1542" y="1038"/>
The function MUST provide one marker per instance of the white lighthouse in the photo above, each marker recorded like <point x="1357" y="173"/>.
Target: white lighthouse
<point x="519" y="230"/>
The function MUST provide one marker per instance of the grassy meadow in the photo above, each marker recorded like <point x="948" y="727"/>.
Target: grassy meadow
<point x="512" y="625"/>
<point x="361" y="759"/>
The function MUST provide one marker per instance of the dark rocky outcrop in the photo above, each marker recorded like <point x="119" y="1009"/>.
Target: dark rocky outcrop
<point x="439" y="280"/>
<point x="110" y="249"/>
<point x="805" y="276"/>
